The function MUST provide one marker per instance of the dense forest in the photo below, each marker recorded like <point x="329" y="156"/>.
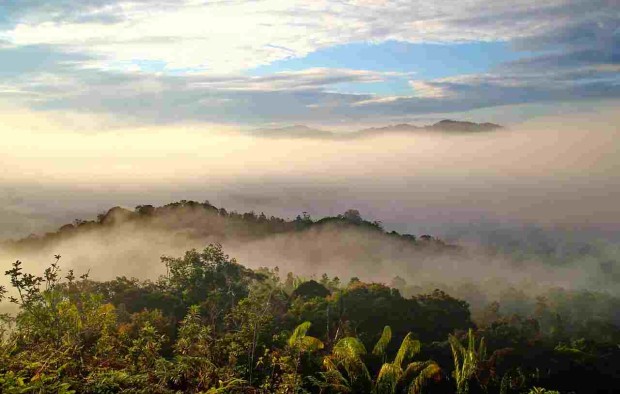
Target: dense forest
<point x="210" y="324"/>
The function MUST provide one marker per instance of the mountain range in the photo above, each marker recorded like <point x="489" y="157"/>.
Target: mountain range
<point x="443" y="126"/>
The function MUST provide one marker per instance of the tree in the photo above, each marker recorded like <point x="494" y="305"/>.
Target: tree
<point x="209" y="278"/>
<point x="439" y="314"/>
<point x="311" y="289"/>
<point x="352" y="215"/>
<point x="145" y="210"/>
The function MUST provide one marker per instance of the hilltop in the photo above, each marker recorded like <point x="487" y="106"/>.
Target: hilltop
<point x="200" y="220"/>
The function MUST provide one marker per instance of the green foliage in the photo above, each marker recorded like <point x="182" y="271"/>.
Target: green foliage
<point x="347" y="355"/>
<point x="388" y="378"/>
<point x="12" y="383"/>
<point x="299" y="340"/>
<point x="382" y="343"/>
<point x="415" y="376"/>
<point x="144" y="350"/>
<point x="540" y="390"/>
<point x="346" y="369"/>
<point x="421" y="374"/>
<point x="213" y="326"/>
<point x="408" y="349"/>
<point x="209" y="277"/>
<point x="466" y="360"/>
<point x="310" y="289"/>
<point x="298" y="344"/>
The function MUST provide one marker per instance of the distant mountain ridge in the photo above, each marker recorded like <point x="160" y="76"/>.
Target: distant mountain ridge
<point x="446" y="125"/>
<point x="460" y="126"/>
<point x="295" y="131"/>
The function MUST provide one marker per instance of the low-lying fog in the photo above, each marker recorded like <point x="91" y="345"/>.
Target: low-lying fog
<point x="542" y="186"/>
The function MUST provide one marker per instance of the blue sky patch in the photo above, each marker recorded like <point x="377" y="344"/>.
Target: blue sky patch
<point x="427" y="61"/>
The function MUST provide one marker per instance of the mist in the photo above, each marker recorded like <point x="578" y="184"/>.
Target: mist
<point x="559" y="176"/>
<point x="473" y="272"/>
<point x="560" y="171"/>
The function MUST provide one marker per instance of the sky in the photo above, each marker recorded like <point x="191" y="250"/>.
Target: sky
<point x="329" y="63"/>
<point x="111" y="102"/>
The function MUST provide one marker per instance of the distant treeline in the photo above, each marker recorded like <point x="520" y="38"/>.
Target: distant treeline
<point x="205" y="219"/>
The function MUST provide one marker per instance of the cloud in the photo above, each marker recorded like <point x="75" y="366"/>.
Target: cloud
<point x="162" y="62"/>
<point x="16" y="61"/>
<point x="595" y="41"/>
<point x="597" y="27"/>
<point x="308" y="79"/>
<point x="227" y="36"/>
<point x="428" y="90"/>
<point x="293" y="97"/>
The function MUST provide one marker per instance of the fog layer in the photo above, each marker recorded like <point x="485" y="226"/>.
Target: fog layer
<point x="557" y="174"/>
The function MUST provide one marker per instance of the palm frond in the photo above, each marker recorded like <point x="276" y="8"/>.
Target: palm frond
<point x="471" y="340"/>
<point x="310" y="344"/>
<point x="414" y="369"/>
<point x="332" y="380"/>
<point x="383" y="342"/>
<point x="482" y="349"/>
<point x="347" y="352"/>
<point x="299" y="332"/>
<point x="466" y="359"/>
<point x="388" y="378"/>
<point x="457" y="350"/>
<point x="432" y="372"/>
<point x="349" y="347"/>
<point x="408" y="349"/>
<point x="328" y="364"/>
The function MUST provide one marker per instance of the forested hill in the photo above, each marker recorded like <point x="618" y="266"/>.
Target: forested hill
<point x="199" y="220"/>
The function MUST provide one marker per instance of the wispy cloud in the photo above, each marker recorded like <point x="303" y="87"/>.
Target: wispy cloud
<point x="164" y="61"/>
<point x="309" y="79"/>
<point x="428" y="89"/>
<point x="235" y="35"/>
